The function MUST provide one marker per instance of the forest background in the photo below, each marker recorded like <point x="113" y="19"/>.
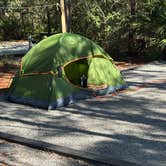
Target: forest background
<point x="124" y="28"/>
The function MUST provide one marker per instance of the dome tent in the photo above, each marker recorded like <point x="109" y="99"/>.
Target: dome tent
<point x="51" y="72"/>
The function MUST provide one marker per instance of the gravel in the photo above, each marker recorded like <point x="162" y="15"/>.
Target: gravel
<point x="18" y="155"/>
<point x="129" y="126"/>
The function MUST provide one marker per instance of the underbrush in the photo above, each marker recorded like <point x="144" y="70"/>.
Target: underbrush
<point x="9" y="63"/>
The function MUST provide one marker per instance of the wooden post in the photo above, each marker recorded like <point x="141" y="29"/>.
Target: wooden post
<point x="63" y="16"/>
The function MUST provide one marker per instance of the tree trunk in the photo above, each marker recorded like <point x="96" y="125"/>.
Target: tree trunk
<point x="48" y="22"/>
<point x="68" y="14"/>
<point x="132" y="4"/>
<point x="63" y="16"/>
<point x="132" y="7"/>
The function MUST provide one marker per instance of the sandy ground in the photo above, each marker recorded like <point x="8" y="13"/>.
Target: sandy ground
<point x="129" y="126"/>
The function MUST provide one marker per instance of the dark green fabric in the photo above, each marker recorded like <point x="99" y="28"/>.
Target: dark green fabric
<point x="61" y="89"/>
<point x="42" y="87"/>
<point x="102" y="71"/>
<point x="98" y="71"/>
<point x="75" y="70"/>
<point x="37" y="87"/>
<point x="57" y="50"/>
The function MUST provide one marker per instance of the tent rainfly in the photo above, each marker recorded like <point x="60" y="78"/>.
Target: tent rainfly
<point x="62" y="69"/>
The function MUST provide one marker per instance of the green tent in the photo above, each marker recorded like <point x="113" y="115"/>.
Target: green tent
<point x="62" y="69"/>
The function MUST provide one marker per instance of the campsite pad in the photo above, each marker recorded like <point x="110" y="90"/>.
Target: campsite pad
<point x="129" y="126"/>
